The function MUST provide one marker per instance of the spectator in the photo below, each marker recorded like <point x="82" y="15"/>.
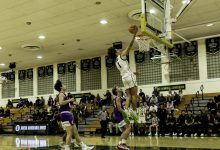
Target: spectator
<point x="199" y="124"/>
<point x="154" y="123"/>
<point x="156" y="92"/>
<point x="153" y="100"/>
<point x="210" y="124"/>
<point x="212" y="107"/>
<point x="76" y="110"/>
<point x="37" y="102"/>
<point x="7" y="112"/>
<point x="102" y="115"/>
<point x="108" y="96"/>
<point x="170" y="107"/>
<point x="176" y="99"/>
<point x="161" y="99"/>
<point x="2" y="111"/>
<point x="42" y="102"/>
<point x="217" y="123"/>
<point x="146" y="106"/>
<point x="181" y="123"/>
<point x="50" y="101"/>
<point x="171" y="124"/>
<point x="92" y="99"/>
<point x="153" y="108"/>
<point x="83" y="99"/>
<point x="9" y="104"/>
<point x="142" y="95"/>
<point x="162" y="115"/>
<point x="180" y="94"/>
<point x="98" y="100"/>
<point x="21" y="103"/>
<point x="189" y="121"/>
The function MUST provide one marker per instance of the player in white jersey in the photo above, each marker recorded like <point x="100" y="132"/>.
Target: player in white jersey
<point x="128" y="77"/>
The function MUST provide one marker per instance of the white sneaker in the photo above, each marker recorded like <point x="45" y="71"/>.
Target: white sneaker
<point x="76" y="145"/>
<point x="180" y="134"/>
<point x="149" y="134"/>
<point x="87" y="147"/>
<point x="195" y="134"/>
<point x="156" y="134"/>
<point x="202" y="135"/>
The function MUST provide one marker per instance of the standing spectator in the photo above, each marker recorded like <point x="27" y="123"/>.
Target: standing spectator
<point x="153" y="108"/>
<point x="92" y="99"/>
<point x="217" y="123"/>
<point x="171" y="124"/>
<point x="170" y="107"/>
<point x="108" y="96"/>
<point x="37" y="102"/>
<point x="50" y="101"/>
<point x="83" y="99"/>
<point x="102" y="115"/>
<point x="153" y="100"/>
<point x="176" y="99"/>
<point x="42" y="102"/>
<point x="9" y="104"/>
<point x="210" y="124"/>
<point x="99" y="100"/>
<point x="156" y="92"/>
<point x="161" y="99"/>
<point x="154" y="123"/>
<point x="162" y="115"/>
<point x="181" y="123"/>
<point x="189" y="121"/>
<point x="2" y="111"/>
<point x="7" y="112"/>
<point x="180" y="94"/>
<point x="199" y="124"/>
<point x="142" y="95"/>
<point x="212" y="106"/>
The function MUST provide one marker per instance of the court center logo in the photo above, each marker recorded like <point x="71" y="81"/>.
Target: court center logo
<point x="17" y="128"/>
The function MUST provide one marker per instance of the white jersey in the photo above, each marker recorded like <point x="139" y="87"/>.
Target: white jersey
<point x="141" y="111"/>
<point x="123" y="66"/>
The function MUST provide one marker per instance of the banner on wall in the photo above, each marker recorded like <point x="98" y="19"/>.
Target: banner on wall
<point x="139" y="56"/>
<point x="61" y="68"/>
<point x="191" y="49"/>
<point x="153" y="52"/>
<point x="172" y="87"/>
<point x="85" y="64"/>
<point x="49" y="70"/>
<point x="109" y="62"/>
<point x="96" y="62"/>
<point x="41" y="71"/>
<point x="30" y="73"/>
<point x="11" y="76"/>
<point x="71" y="66"/>
<point x="21" y="74"/>
<point x="177" y="49"/>
<point x="212" y="45"/>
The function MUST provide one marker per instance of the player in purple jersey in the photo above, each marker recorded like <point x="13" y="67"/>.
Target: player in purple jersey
<point x="66" y="117"/>
<point x="118" y="110"/>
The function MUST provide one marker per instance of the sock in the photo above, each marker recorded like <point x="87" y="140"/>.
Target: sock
<point x="82" y="144"/>
<point x="123" y="141"/>
<point x="67" y="147"/>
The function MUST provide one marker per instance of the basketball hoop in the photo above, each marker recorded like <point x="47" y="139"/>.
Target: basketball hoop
<point x="145" y="43"/>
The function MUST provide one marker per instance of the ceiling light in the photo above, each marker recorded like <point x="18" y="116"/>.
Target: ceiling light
<point x="39" y="57"/>
<point x="2" y="64"/>
<point x="103" y="21"/>
<point x="41" y="37"/>
<point x="185" y="1"/>
<point x="209" y="25"/>
<point x="152" y="11"/>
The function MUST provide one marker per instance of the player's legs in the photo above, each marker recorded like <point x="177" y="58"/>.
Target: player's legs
<point x="134" y="91"/>
<point x="124" y="136"/>
<point x="68" y="135"/>
<point x="128" y="98"/>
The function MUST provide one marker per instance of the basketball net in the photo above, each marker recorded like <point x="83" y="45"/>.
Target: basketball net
<point x="145" y="43"/>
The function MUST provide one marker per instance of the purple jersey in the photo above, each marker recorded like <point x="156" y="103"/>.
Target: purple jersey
<point x="64" y="107"/>
<point x="118" y="114"/>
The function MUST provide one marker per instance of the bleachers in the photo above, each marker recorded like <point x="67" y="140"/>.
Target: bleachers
<point x="197" y="104"/>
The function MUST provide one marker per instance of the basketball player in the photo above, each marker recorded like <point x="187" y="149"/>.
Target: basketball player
<point x="66" y="117"/>
<point x="118" y="110"/>
<point x="128" y="77"/>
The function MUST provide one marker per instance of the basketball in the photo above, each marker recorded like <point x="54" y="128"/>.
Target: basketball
<point x="132" y="29"/>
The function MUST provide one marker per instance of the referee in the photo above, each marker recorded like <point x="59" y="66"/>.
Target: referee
<point x="102" y="115"/>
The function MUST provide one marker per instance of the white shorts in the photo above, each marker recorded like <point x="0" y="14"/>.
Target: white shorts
<point x="121" y="125"/>
<point x="129" y="81"/>
<point x="65" y="124"/>
<point x="141" y="119"/>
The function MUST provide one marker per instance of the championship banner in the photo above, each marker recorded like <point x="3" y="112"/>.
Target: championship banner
<point x="172" y="87"/>
<point x="61" y="68"/>
<point x="212" y="45"/>
<point x="109" y="62"/>
<point x="191" y="49"/>
<point x="153" y="52"/>
<point x="21" y="74"/>
<point x="11" y="76"/>
<point x="139" y="56"/>
<point x="177" y="49"/>
<point x="49" y="70"/>
<point x="29" y="73"/>
<point x="96" y="62"/>
<point x="85" y="64"/>
<point x="41" y="71"/>
<point x="71" y="66"/>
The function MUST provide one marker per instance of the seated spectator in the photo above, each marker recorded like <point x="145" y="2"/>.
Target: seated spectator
<point x="217" y="123"/>
<point x="21" y="103"/>
<point x="162" y="115"/>
<point x="7" y="112"/>
<point x="210" y="124"/>
<point x="153" y="100"/>
<point x="142" y="95"/>
<point x="9" y="104"/>
<point x="153" y="108"/>
<point x="199" y="124"/>
<point x="171" y="124"/>
<point x="83" y="99"/>
<point x="50" y="101"/>
<point x="212" y="106"/>
<point x="156" y="92"/>
<point x="189" y="121"/>
<point x="154" y="123"/>
<point x="92" y="99"/>
<point x="146" y="106"/>
<point x="170" y="106"/>
<point x="181" y="123"/>
<point x="42" y="102"/>
<point x="2" y="111"/>
<point x="161" y="99"/>
<point x="108" y="99"/>
<point x="176" y="99"/>
<point x="37" y="102"/>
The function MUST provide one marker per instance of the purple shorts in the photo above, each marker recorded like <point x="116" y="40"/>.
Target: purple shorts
<point x="66" y="118"/>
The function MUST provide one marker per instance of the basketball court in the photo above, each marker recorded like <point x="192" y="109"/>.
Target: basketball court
<point x="64" y="30"/>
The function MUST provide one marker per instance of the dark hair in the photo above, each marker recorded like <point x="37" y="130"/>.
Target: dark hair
<point x="112" y="53"/>
<point x="58" y="85"/>
<point x="114" y="91"/>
